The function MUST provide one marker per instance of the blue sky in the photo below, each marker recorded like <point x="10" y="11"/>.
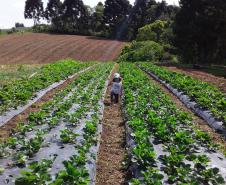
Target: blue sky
<point x="11" y="11"/>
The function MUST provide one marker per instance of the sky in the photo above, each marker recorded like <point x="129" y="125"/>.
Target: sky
<point x="12" y="11"/>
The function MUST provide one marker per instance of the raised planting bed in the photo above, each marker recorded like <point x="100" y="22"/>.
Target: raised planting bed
<point x="165" y="146"/>
<point x="12" y="113"/>
<point x="60" y="144"/>
<point x="20" y="91"/>
<point x="195" y="94"/>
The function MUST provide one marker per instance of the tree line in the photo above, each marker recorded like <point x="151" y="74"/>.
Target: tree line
<point x="195" y="31"/>
<point x="116" y="19"/>
<point x="200" y="31"/>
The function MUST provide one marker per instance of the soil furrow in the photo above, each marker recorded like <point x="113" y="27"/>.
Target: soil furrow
<point x="112" y="153"/>
<point x="37" y="49"/>
<point x="45" y="48"/>
<point x="58" y="48"/>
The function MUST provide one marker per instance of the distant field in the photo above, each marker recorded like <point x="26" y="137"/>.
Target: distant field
<point x="37" y="48"/>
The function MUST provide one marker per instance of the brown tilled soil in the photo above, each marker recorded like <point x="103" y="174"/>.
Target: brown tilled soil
<point x="219" y="82"/>
<point x="199" y="123"/>
<point x="41" y="48"/>
<point x="7" y="129"/>
<point x="110" y="170"/>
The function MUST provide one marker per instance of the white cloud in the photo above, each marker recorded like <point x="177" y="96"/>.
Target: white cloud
<point x="18" y="4"/>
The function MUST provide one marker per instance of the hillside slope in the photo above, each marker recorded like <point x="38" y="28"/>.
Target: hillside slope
<point x="44" y="48"/>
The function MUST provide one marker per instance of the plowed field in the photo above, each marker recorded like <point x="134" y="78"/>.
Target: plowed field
<point x="44" y="48"/>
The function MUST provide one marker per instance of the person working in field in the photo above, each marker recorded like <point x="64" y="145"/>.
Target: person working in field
<point x="116" y="90"/>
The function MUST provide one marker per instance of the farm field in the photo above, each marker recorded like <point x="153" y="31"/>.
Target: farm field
<point x="60" y="135"/>
<point x="19" y="91"/>
<point x="9" y="73"/>
<point x="72" y="134"/>
<point x="217" y="81"/>
<point x="165" y="146"/>
<point x="115" y="92"/>
<point x="35" y="48"/>
<point x="208" y="97"/>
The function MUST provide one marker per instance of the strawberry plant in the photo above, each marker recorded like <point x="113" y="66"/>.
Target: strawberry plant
<point x="32" y="146"/>
<point x="20" y="91"/>
<point x="20" y="159"/>
<point x="38" y="174"/>
<point x="68" y="136"/>
<point x="206" y="95"/>
<point x="72" y="175"/>
<point x="151" y="114"/>
<point x="67" y="107"/>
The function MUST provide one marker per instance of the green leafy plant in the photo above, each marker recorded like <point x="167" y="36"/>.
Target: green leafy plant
<point x="32" y="145"/>
<point x="142" y="51"/>
<point x="68" y="136"/>
<point x="72" y="175"/>
<point x="38" y="173"/>
<point x="207" y="96"/>
<point x="18" y="92"/>
<point x="155" y="120"/>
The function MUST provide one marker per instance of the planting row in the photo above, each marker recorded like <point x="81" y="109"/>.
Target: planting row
<point x="59" y="144"/>
<point x="20" y="91"/>
<point x="165" y="146"/>
<point x="9" y="73"/>
<point x="205" y="95"/>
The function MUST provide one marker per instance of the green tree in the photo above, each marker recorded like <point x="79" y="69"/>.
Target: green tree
<point x="97" y="20"/>
<point x="148" y="11"/>
<point x="141" y="14"/>
<point x="53" y="14"/>
<point x="75" y="16"/>
<point x="142" y="51"/>
<point x="33" y="10"/>
<point x="161" y="9"/>
<point x="200" y="31"/>
<point x="19" y="25"/>
<point x="152" y="31"/>
<point x="115" y="16"/>
<point x="53" y="10"/>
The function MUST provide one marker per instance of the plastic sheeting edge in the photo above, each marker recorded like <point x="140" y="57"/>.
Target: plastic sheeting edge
<point x="204" y="114"/>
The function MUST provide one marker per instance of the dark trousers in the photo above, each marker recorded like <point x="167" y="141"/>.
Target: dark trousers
<point x="114" y="97"/>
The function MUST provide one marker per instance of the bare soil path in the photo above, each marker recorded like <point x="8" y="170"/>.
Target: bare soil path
<point x="219" y="82"/>
<point x="199" y="123"/>
<point x="39" y="48"/>
<point x="110" y="170"/>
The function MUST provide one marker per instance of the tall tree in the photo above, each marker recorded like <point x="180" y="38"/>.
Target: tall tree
<point x="75" y="16"/>
<point x="115" y="15"/>
<point x="161" y="9"/>
<point x="141" y="14"/>
<point x="53" y="14"/>
<point x="53" y="10"/>
<point x="165" y="12"/>
<point x="200" y="29"/>
<point x="33" y="10"/>
<point x="19" y="25"/>
<point x="97" y="20"/>
<point x="148" y="11"/>
<point x="153" y="31"/>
